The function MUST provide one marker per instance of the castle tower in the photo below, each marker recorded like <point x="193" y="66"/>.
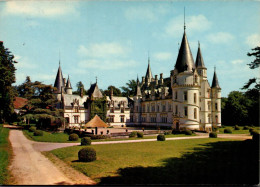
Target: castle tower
<point x="216" y="101"/>
<point x="185" y="89"/>
<point x="148" y="76"/>
<point x="68" y="87"/>
<point x="202" y="70"/>
<point x="137" y="102"/>
<point x="59" y="81"/>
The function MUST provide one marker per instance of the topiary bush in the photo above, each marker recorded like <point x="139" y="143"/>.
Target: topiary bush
<point x="133" y="134"/>
<point x="213" y="135"/>
<point x="86" y="141"/>
<point x="245" y="128"/>
<point x="73" y="137"/>
<point x="87" y="154"/>
<point x="188" y="132"/>
<point x="160" y="137"/>
<point x="38" y="133"/>
<point x="236" y="127"/>
<point x="32" y="129"/>
<point x="140" y="135"/>
<point x="227" y="130"/>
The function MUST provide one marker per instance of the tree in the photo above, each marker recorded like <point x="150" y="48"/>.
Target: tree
<point x="41" y="106"/>
<point x="80" y="85"/>
<point x="26" y="89"/>
<point x="129" y="89"/>
<point x="7" y="94"/>
<point x="253" y="65"/>
<point x="116" y="91"/>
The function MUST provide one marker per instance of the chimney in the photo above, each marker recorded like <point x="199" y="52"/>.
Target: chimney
<point x="81" y="92"/>
<point x="161" y="78"/>
<point x="111" y="94"/>
<point x="156" y="79"/>
<point x="143" y="80"/>
<point x="64" y="80"/>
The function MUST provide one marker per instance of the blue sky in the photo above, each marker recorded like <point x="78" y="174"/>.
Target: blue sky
<point x="111" y="39"/>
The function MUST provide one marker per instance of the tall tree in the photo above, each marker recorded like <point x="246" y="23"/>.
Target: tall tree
<point x="26" y="89"/>
<point x="253" y="65"/>
<point x="116" y="91"/>
<point x="129" y="89"/>
<point x="7" y="78"/>
<point x="80" y="85"/>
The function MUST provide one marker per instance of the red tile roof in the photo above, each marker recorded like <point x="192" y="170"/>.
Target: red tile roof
<point x="19" y="102"/>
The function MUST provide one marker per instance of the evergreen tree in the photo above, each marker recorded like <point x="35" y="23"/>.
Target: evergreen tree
<point x="7" y="94"/>
<point x="26" y="89"/>
<point x="129" y="89"/>
<point x="80" y="85"/>
<point x="116" y="91"/>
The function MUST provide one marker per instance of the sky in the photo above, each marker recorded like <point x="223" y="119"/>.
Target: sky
<point x="111" y="40"/>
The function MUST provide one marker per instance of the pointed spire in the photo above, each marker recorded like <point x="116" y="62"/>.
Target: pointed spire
<point x="149" y="75"/>
<point x="215" y="83"/>
<point x="68" y="85"/>
<point x="184" y="60"/>
<point x="199" y="60"/>
<point x="184" y="20"/>
<point x="137" y="80"/>
<point x="138" y="89"/>
<point x="59" y="83"/>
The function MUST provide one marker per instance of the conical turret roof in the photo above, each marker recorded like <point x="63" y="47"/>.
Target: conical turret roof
<point x="68" y="85"/>
<point x="149" y="71"/>
<point x="199" y="60"/>
<point x="215" y="83"/>
<point x="184" y="60"/>
<point x="138" y="89"/>
<point x="59" y="80"/>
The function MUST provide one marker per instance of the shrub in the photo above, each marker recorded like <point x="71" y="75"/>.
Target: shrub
<point x="227" y="130"/>
<point x="250" y="129"/>
<point x="73" y="137"/>
<point x="38" y="133"/>
<point x="140" y="135"/>
<point x="87" y="154"/>
<point x="252" y="132"/>
<point x="213" y="135"/>
<point x="236" y="127"/>
<point x="160" y="137"/>
<point x="188" y="132"/>
<point x="133" y="134"/>
<point x="245" y="128"/>
<point x="214" y="129"/>
<point x="32" y="129"/>
<point x="86" y="141"/>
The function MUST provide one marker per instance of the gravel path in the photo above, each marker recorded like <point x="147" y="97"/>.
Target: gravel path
<point x="30" y="167"/>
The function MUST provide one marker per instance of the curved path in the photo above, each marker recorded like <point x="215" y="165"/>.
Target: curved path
<point x="30" y="167"/>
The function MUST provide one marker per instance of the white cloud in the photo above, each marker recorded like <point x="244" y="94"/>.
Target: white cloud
<point x="253" y="40"/>
<point x="105" y="64"/>
<point x="196" y="23"/>
<point x="103" y="50"/>
<point x="40" y="8"/>
<point x="161" y="56"/>
<point x="238" y="61"/>
<point x="220" y="37"/>
<point x="23" y="63"/>
<point x="145" y="13"/>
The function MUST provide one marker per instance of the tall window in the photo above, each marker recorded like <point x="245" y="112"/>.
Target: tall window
<point x="195" y="113"/>
<point x="111" y="110"/>
<point x="209" y="105"/>
<point x="76" y="109"/>
<point x="185" y="111"/>
<point x="148" y="108"/>
<point x="158" y="108"/>
<point x="195" y="98"/>
<point x="216" y="117"/>
<point x="153" y="108"/>
<point x="76" y="119"/>
<point x="185" y="95"/>
<point x="209" y="118"/>
<point x="169" y="107"/>
<point x="163" y="108"/>
<point x="216" y="106"/>
<point x="176" y="95"/>
<point x="176" y="109"/>
<point x="122" y="110"/>
<point x="111" y="119"/>
<point x="136" y="108"/>
<point x="131" y="118"/>
<point x="122" y="119"/>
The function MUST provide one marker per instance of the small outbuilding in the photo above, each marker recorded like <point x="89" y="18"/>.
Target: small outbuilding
<point x="95" y="123"/>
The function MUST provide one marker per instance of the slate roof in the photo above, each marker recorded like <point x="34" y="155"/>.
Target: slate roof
<point x="199" y="59"/>
<point x="94" y="91"/>
<point x="149" y="71"/>
<point x="215" y="83"/>
<point x="68" y="99"/>
<point x="59" y="80"/>
<point x="68" y="85"/>
<point x="184" y="60"/>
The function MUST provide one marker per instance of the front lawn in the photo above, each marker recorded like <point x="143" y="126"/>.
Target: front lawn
<point x="241" y="131"/>
<point x="196" y="161"/>
<point x="64" y="138"/>
<point x="5" y="153"/>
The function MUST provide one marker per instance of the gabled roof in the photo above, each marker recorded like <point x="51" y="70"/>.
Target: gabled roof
<point x="59" y="80"/>
<point x="149" y="71"/>
<point x="68" y="85"/>
<point x="96" y="122"/>
<point x="215" y="83"/>
<point x="199" y="59"/>
<point x="184" y="60"/>
<point x="94" y="91"/>
<point x="19" y="102"/>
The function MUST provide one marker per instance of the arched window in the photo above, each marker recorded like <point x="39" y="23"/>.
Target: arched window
<point x="195" y="113"/>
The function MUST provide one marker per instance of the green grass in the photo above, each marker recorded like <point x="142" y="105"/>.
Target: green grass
<point x="147" y="161"/>
<point x="4" y="154"/>
<point x="63" y="137"/>
<point x="241" y="131"/>
<point x="49" y="137"/>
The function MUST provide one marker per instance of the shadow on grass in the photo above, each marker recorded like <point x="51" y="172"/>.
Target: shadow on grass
<point x="226" y="163"/>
